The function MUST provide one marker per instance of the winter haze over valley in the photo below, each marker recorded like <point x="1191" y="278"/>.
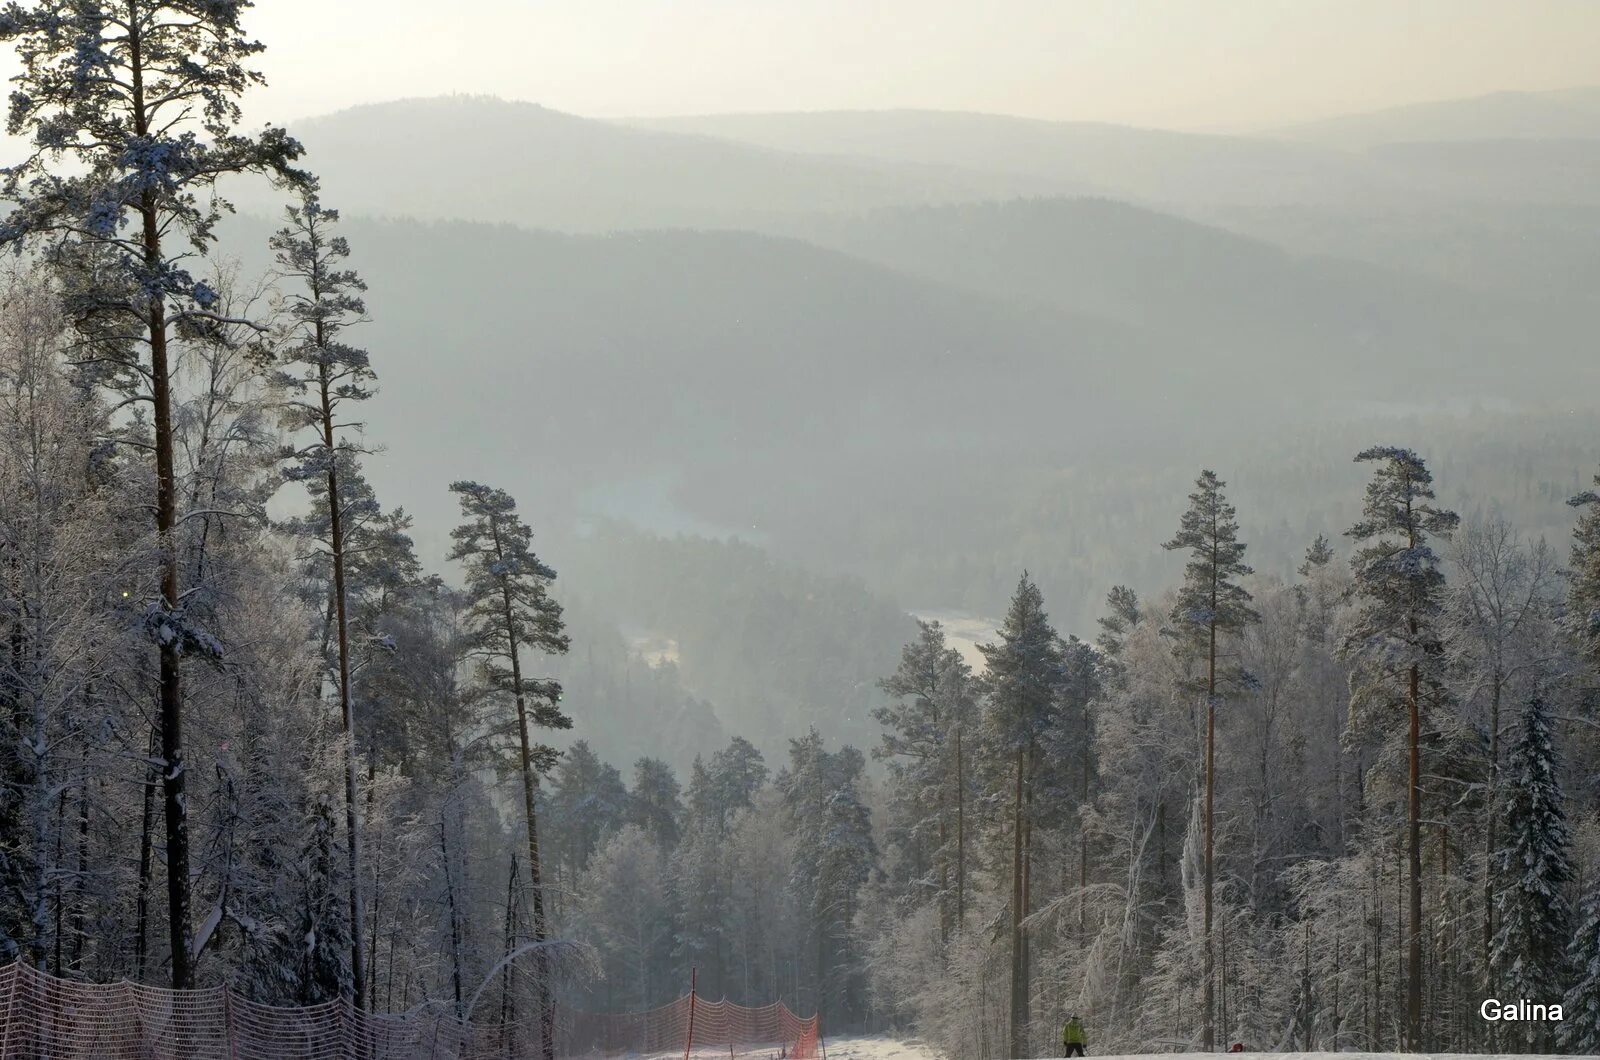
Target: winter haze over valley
<point x="910" y="531"/>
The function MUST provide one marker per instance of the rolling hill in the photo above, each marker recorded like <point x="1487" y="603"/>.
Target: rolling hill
<point x="483" y="159"/>
<point x="1206" y="292"/>
<point x="1561" y="115"/>
<point x="1146" y="165"/>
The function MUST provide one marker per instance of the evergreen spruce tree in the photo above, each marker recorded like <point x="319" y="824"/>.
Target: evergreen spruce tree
<point x="725" y="785"/>
<point x="588" y="802"/>
<point x="321" y="374"/>
<point x="1532" y="918"/>
<point x="1397" y="643"/>
<point x="834" y="855"/>
<point x="511" y="611"/>
<point x="1122" y="607"/>
<point x="324" y="929"/>
<point x="1023" y="679"/>
<point x="1583" y="588"/>
<point x="1580" y="1008"/>
<point x="1211" y="605"/>
<point x="655" y="804"/>
<point x="924" y="730"/>
<point x="132" y="108"/>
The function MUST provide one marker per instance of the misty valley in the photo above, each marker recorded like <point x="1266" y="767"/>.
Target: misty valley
<point x="478" y="580"/>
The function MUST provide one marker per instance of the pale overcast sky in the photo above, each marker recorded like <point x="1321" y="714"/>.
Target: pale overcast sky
<point x="1193" y="64"/>
<point x="1204" y="64"/>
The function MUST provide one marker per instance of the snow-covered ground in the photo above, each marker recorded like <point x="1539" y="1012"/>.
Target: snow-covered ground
<point x="879" y="1048"/>
<point x="1346" y="1056"/>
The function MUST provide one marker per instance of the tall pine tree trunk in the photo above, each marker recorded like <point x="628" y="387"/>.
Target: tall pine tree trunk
<point x="1209" y="1027"/>
<point x="530" y="785"/>
<point x="1414" y="839"/>
<point x="1019" y="971"/>
<point x="352" y="809"/>
<point x="173" y="779"/>
<point x="1414" y="857"/>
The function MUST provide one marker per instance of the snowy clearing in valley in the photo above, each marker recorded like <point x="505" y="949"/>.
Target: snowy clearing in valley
<point x="963" y="631"/>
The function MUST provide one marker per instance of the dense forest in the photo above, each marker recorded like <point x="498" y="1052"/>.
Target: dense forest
<point x="252" y="734"/>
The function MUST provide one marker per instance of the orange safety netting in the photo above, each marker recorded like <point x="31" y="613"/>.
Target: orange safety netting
<point x="45" y="1017"/>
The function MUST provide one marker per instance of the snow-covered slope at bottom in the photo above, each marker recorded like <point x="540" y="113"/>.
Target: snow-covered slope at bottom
<point x="878" y="1048"/>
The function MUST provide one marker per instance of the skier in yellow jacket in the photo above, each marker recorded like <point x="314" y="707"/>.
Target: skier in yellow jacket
<point x="1073" y="1039"/>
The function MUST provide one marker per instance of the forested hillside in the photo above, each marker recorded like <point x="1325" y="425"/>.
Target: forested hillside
<point x="495" y="602"/>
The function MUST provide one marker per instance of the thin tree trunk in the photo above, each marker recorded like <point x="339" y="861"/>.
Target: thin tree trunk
<point x="1083" y="832"/>
<point x="60" y="882"/>
<point x="142" y="901"/>
<point x="507" y="1004"/>
<point x="1027" y="895"/>
<point x="961" y="838"/>
<point x="79" y="900"/>
<point x="1019" y="986"/>
<point x="455" y="920"/>
<point x="1491" y="817"/>
<point x="377" y="879"/>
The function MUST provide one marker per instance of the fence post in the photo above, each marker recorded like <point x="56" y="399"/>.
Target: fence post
<point x="688" y="1041"/>
<point x="227" y="1023"/>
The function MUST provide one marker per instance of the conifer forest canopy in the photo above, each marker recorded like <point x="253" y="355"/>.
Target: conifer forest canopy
<point x="983" y="531"/>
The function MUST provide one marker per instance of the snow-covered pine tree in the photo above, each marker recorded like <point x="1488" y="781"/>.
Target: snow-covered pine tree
<point x="1583" y="586"/>
<point x="655" y="802"/>
<point x="511" y="611"/>
<point x="320" y="373"/>
<point x="1066" y="769"/>
<point x="588" y="802"/>
<point x="1396" y="640"/>
<point x="833" y="857"/>
<point x="133" y="111"/>
<point x="1211" y="605"/>
<point x="1023" y="679"/>
<point x="1580" y="1009"/>
<point x="924" y="730"/>
<point x="1122" y="614"/>
<point x="1533" y="867"/>
<point x="324" y="928"/>
<point x="720" y="788"/>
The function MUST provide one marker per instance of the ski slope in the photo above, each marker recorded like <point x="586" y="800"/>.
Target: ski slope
<point x="880" y="1048"/>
